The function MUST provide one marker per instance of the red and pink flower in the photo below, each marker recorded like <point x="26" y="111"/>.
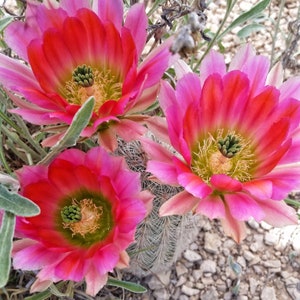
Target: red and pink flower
<point x="75" y="51"/>
<point x="236" y="134"/>
<point x="90" y="206"/>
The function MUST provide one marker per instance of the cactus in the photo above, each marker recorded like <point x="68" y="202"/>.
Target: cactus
<point x="159" y="240"/>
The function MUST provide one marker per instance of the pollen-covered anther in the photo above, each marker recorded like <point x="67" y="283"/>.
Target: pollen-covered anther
<point x="229" y="146"/>
<point x="90" y="218"/>
<point x="83" y="76"/>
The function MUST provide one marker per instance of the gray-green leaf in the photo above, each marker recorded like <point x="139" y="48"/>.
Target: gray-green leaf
<point x="80" y="121"/>
<point x="130" y="286"/>
<point x="249" y="29"/>
<point x="6" y="238"/>
<point x="17" y="204"/>
<point x="250" y="14"/>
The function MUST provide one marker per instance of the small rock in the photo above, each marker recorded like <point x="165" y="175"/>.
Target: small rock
<point x="161" y="294"/>
<point x="164" y="277"/>
<point x="197" y="274"/>
<point x="189" y="291"/>
<point x="183" y="297"/>
<point x="249" y="256"/>
<point x="293" y="287"/>
<point x="271" y="239"/>
<point x="212" y="242"/>
<point x="180" y="269"/>
<point x="208" y="266"/>
<point x="275" y="263"/>
<point x="268" y="293"/>
<point x="253" y="224"/>
<point x="265" y="226"/>
<point x="181" y="281"/>
<point x="155" y="284"/>
<point x="210" y="294"/>
<point x="253" y="285"/>
<point x="191" y="256"/>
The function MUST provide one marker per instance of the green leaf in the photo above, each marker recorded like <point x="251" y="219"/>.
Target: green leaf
<point x="250" y="14"/>
<point x="80" y="121"/>
<point x="4" y="22"/>
<point x="45" y="294"/>
<point x="130" y="286"/>
<point x="249" y="29"/>
<point x="6" y="238"/>
<point x="40" y="296"/>
<point x="17" y="204"/>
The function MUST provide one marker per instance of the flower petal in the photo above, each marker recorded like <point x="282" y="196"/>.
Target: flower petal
<point x="242" y="207"/>
<point x="179" y="204"/>
<point x="212" y="206"/>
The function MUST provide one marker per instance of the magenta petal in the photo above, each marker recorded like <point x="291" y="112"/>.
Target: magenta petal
<point x="111" y="11"/>
<point x="72" y="6"/>
<point x="245" y="53"/>
<point x="137" y="22"/>
<point x="30" y="174"/>
<point x="190" y="181"/>
<point x="261" y="189"/>
<point x="212" y="63"/>
<point x="94" y="281"/>
<point x="290" y="88"/>
<point x="106" y="259"/>
<point x="32" y="257"/>
<point x="72" y="267"/>
<point x="165" y="172"/>
<point x="225" y="183"/>
<point x="179" y="204"/>
<point x="243" y="207"/>
<point x="212" y="206"/>
<point x="278" y="213"/>
<point x="234" y="228"/>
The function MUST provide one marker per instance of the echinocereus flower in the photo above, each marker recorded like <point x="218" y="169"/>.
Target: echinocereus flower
<point x="74" y="51"/>
<point x="90" y="206"/>
<point x="236" y="133"/>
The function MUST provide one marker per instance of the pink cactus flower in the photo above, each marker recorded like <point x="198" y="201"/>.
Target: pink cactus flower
<point x="75" y="51"/>
<point x="90" y="206"/>
<point x="237" y="142"/>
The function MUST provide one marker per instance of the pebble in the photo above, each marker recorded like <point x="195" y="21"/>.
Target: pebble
<point x="161" y="294"/>
<point x="211" y="242"/>
<point x="268" y="293"/>
<point x="189" y="291"/>
<point x="191" y="256"/>
<point x="181" y="269"/>
<point x="272" y="263"/>
<point x="208" y="266"/>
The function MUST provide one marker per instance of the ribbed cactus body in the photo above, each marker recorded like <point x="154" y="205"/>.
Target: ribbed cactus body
<point x="159" y="240"/>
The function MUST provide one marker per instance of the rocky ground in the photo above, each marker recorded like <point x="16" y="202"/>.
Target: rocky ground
<point x="266" y="266"/>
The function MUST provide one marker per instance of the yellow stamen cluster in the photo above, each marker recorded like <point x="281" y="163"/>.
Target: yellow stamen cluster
<point x="88" y="81"/>
<point x="90" y="218"/>
<point x="220" y="153"/>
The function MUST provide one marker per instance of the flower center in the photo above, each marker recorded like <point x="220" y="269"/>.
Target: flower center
<point x="219" y="153"/>
<point x="83" y="218"/>
<point x="88" y="81"/>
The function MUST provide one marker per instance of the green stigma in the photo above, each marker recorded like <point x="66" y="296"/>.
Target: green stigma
<point x="83" y="76"/>
<point x="229" y="146"/>
<point x="71" y="214"/>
